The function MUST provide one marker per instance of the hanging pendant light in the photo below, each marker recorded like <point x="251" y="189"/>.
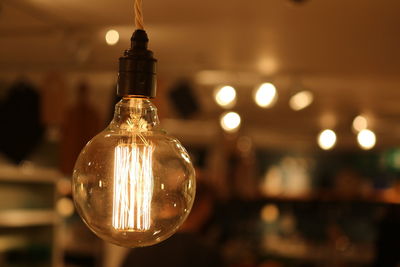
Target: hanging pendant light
<point x="133" y="185"/>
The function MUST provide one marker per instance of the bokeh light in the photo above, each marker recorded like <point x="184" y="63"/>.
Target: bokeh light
<point x="269" y="213"/>
<point x="65" y="207"/>
<point x="265" y="95"/>
<point x="327" y="139"/>
<point x="360" y="123"/>
<point x="230" y="121"/>
<point x="225" y="96"/>
<point x="301" y="100"/>
<point x="366" y="139"/>
<point x="112" y="37"/>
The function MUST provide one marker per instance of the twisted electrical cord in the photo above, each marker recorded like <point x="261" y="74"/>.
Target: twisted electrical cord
<point x="139" y="15"/>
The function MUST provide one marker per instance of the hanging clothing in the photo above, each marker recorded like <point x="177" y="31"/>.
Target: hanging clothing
<point x="81" y="124"/>
<point x="22" y="129"/>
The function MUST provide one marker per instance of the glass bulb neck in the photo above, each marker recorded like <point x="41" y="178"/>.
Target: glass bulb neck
<point x="135" y="115"/>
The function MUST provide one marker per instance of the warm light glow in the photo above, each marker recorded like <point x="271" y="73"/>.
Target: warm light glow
<point x="328" y="119"/>
<point x="230" y="121"/>
<point x="269" y="213"/>
<point x="112" y="37"/>
<point x="360" y="123"/>
<point x="265" y="95"/>
<point x="267" y="65"/>
<point x="225" y="96"/>
<point x="301" y="100"/>
<point x="327" y="139"/>
<point x="366" y="139"/>
<point x="65" y="207"/>
<point x="133" y="187"/>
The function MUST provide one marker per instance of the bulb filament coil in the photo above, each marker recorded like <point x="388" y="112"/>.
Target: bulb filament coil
<point x="133" y="187"/>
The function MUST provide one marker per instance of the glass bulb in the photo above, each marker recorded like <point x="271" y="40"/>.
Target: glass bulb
<point x="133" y="185"/>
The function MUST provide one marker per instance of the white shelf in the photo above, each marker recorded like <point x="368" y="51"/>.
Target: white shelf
<point x="24" y="218"/>
<point x="28" y="174"/>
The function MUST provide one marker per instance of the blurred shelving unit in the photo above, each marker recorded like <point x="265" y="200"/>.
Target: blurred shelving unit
<point x="307" y="233"/>
<point x="30" y="226"/>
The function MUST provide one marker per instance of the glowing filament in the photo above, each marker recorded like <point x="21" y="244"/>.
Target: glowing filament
<point x="133" y="187"/>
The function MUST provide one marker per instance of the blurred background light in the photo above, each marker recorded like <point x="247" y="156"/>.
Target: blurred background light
<point x="270" y="213"/>
<point x="230" y="121"/>
<point x="360" y="123"/>
<point x="301" y="100"/>
<point x="225" y="96"/>
<point x="327" y="139"/>
<point x="244" y="144"/>
<point x="267" y="65"/>
<point x="265" y="95"/>
<point x="65" y="207"/>
<point x="366" y="139"/>
<point x="112" y="37"/>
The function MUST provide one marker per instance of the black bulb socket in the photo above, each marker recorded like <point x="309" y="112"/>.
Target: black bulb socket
<point x="137" y="69"/>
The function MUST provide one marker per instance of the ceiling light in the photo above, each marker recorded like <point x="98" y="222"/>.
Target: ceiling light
<point x="225" y="96"/>
<point x="327" y="139"/>
<point x="265" y="95"/>
<point x="112" y="37"/>
<point x="301" y="100"/>
<point x="366" y="139"/>
<point x="230" y="121"/>
<point x="360" y="123"/>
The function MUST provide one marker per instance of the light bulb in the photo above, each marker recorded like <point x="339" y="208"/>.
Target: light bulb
<point x="134" y="185"/>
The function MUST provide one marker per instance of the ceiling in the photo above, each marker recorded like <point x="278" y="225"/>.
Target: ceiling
<point x="346" y="52"/>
